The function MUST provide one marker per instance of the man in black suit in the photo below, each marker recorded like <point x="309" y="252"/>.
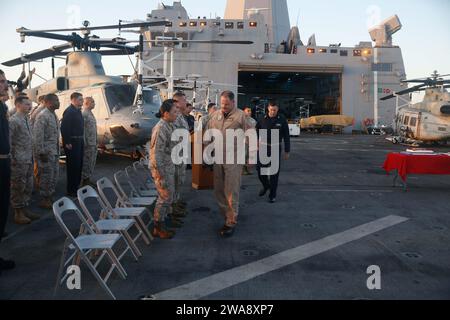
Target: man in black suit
<point x="72" y="131"/>
<point x="273" y="121"/>
<point x="5" y="166"/>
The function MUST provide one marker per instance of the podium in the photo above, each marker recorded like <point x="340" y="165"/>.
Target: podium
<point x="202" y="174"/>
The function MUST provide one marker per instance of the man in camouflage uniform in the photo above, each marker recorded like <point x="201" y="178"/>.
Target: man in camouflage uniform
<point x="179" y="205"/>
<point x="46" y="144"/>
<point x="163" y="168"/>
<point x="21" y="162"/>
<point x="33" y="114"/>
<point x="90" y="141"/>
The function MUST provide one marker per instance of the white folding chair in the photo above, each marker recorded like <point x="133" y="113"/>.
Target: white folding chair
<point x="123" y="209"/>
<point x="122" y="182"/>
<point x="138" y="185"/>
<point x="84" y="244"/>
<point x="107" y="222"/>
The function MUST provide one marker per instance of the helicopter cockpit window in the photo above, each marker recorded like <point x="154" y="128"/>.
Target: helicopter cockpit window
<point x="152" y="97"/>
<point x="120" y="96"/>
<point x="406" y="121"/>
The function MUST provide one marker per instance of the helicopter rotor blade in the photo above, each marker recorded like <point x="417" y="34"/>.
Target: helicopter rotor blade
<point x="126" y="50"/>
<point x="108" y="27"/>
<point x="38" y="34"/>
<point x="417" y="80"/>
<point x="51" y="52"/>
<point x="403" y="92"/>
<point x="445" y="87"/>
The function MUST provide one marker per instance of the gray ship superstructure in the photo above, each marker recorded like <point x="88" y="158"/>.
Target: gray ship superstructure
<point x="327" y="79"/>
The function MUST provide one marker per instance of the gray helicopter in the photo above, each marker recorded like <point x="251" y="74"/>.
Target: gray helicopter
<point x="125" y="115"/>
<point x="427" y="121"/>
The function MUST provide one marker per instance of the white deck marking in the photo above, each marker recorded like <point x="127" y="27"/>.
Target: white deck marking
<point x="215" y="283"/>
<point x="346" y="190"/>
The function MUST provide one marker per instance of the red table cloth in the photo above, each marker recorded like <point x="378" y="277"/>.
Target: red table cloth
<point x="407" y="164"/>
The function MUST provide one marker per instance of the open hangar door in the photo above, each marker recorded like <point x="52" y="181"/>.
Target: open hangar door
<point x="301" y="92"/>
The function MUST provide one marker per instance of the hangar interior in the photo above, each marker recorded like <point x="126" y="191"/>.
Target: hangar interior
<point x="299" y="94"/>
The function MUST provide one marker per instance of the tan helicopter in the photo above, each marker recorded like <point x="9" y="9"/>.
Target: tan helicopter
<point x="427" y="121"/>
<point x="125" y="116"/>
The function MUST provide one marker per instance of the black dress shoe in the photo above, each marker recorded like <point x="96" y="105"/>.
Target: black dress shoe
<point x="226" y="231"/>
<point x="263" y="192"/>
<point x="6" y="265"/>
<point x="272" y="200"/>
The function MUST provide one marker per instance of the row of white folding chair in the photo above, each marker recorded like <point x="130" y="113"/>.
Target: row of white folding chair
<point x="119" y="212"/>
<point x="85" y="245"/>
<point x="123" y="208"/>
<point x="107" y="220"/>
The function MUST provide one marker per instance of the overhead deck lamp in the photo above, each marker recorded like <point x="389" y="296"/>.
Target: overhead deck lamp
<point x="323" y="50"/>
<point x="193" y="23"/>
<point x="253" y="24"/>
<point x="203" y="24"/>
<point x="183" y="24"/>
<point x="310" y="50"/>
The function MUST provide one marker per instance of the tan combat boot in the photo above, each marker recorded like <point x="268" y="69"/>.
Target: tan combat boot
<point x="159" y="231"/>
<point x="20" y="218"/>
<point x="46" y="203"/>
<point x="31" y="215"/>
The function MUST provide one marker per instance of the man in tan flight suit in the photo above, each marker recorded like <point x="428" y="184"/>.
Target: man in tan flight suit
<point x="227" y="177"/>
<point x="90" y="141"/>
<point x="46" y="145"/>
<point x="21" y="162"/>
